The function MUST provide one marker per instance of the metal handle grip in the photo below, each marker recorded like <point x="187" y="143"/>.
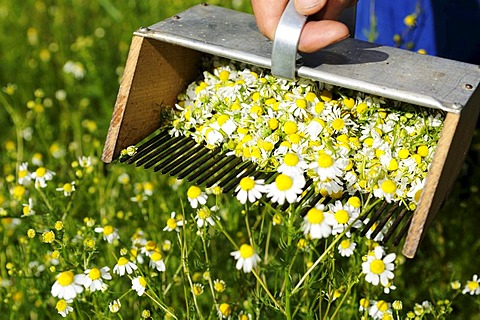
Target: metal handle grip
<point x="285" y="42"/>
<point x="287" y="35"/>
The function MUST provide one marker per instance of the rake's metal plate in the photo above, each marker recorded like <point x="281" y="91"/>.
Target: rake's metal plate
<point x="380" y="70"/>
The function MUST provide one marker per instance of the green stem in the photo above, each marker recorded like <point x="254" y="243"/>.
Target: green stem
<point x="287" y="280"/>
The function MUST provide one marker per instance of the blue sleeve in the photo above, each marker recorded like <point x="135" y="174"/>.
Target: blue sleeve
<point x="445" y="28"/>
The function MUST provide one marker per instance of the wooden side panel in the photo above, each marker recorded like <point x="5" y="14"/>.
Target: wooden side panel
<point x="155" y="73"/>
<point x="451" y="150"/>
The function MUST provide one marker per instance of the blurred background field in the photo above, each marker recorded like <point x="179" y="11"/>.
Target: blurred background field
<point x="60" y="65"/>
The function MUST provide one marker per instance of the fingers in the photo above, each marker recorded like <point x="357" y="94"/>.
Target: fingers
<point x="316" y="34"/>
<point x="319" y="34"/>
<point x="267" y="14"/>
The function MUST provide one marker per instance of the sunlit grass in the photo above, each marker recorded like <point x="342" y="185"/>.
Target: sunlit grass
<point x="59" y="74"/>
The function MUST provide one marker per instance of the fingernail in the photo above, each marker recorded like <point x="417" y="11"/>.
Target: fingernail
<point x="307" y="4"/>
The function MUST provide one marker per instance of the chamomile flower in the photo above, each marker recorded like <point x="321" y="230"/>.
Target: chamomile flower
<point x="285" y="187"/>
<point x="379" y="267"/>
<point x="327" y="167"/>
<point x="219" y="285"/>
<point x="41" y="176"/>
<point x="224" y="310"/>
<point x="344" y="217"/>
<point x="346" y="247"/>
<point x="139" y="284"/>
<point x="115" y="306"/>
<point x="24" y="176"/>
<point x="204" y="217"/>
<point x="156" y="261"/>
<point x="196" y="196"/>
<point x="67" y="286"/>
<point x="124" y="266"/>
<point x="250" y="189"/>
<point x="27" y="209"/>
<point x="109" y="233"/>
<point x="94" y="277"/>
<point x="246" y="258"/>
<point x="318" y="223"/>
<point x="67" y="188"/>
<point x="473" y="286"/>
<point x="387" y="189"/>
<point x="292" y="164"/>
<point x="63" y="307"/>
<point x="173" y="224"/>
<point x="379" y="309"/>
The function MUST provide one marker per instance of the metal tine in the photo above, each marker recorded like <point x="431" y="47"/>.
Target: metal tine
<point x="187" y="160"/>
<point x="314" y="201"/>
<point x="222" y="181"/>
<point x="234" y="180"/>
<point x="169" y="153"/>
<point x="159" y="151"/>
<point x="307" y="195"/>
<point x="202" y="166"/>
<point x="209" y="168"/>
<point x="402" y="232"/>
<point x="183" y="157"/>
<point x="149" y="146"/>
<point x="395" y="224"/>
<point x="201" y="158"/>
<point x="373" y="219"/>
<point x="174" y="155"/>
<point x="218" y="170"/>
<point x="384" y="220"/>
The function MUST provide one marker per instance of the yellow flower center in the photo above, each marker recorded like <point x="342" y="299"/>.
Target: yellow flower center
<point x="22" y="173"/>
<point x="156" y="256"/>
<point x="310" y="96"/>
<point x="94" y="274"/>
<point x="472" y="285"/>
<point x="319" y="107"/>
<point x="26" y="210"/>
<point x="349" y="102"/>
<point x="403" y="153"/>
<point x="294" y="138"/>
<point x="197" y="290"/>
<point x="289" y="127"/>
<point x="194" y="192"/>
<point x="417" y="195"/>
<point x="382" y="306"/>
<point x="388" y="186"/>
<point x="256" y="96"/>
<point x="247" y="183"/>
<point x="283" y="182"/>
<point x="326" y="95"/>
<point x="377" y="266"/>
<point x="204" y="213"/>
<point x="362" y="107"/>
<point x="222" y="119"/>
<point x="325" y="161"/>
<point x="393" y="165"/>
<point x="40" y="172"/>
<point x="68" y="187"/>
<point x="290" y="159"/>
<point x="315" y="216"/>
<point x="219" y="286"/>
<point x="108" y="230"/>
<point x="225" y="309"/>
<point x="345" y="244"/>
<point x="142" y="282"/>
<point x="150" y="245"/>
<point x="122" y="261"/>
<point x="301" y="103"/>
<point x="354" y="202"/>
<point x="246" y="251"/>
<point x="65" y="278"/>
<point x="273" y="124"/>
<point x="172" y="223"/>
<point x="224" y="75"/>
<point x="341" y="216"/>
<point x="338" y="124"/>
<point x="422" y="151"/>
<point x="61" y="305"/>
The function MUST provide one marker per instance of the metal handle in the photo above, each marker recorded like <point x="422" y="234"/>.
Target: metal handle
<point x="287" y="35"/>
<point x="285" y="42"/>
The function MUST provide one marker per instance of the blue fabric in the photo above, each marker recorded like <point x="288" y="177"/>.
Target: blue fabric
<point x="445" y="28"/>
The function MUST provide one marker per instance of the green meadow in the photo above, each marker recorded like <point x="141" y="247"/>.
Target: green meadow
<point x="88" y="240"/>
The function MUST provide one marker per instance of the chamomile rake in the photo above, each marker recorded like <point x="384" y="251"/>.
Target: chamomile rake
<point x="165" y="57"/>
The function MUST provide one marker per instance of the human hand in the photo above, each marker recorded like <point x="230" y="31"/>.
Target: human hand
<point x="320" y="30"/>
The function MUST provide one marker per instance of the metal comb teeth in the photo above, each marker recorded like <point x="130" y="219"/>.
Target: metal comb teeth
<point x="183" y="158"/>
